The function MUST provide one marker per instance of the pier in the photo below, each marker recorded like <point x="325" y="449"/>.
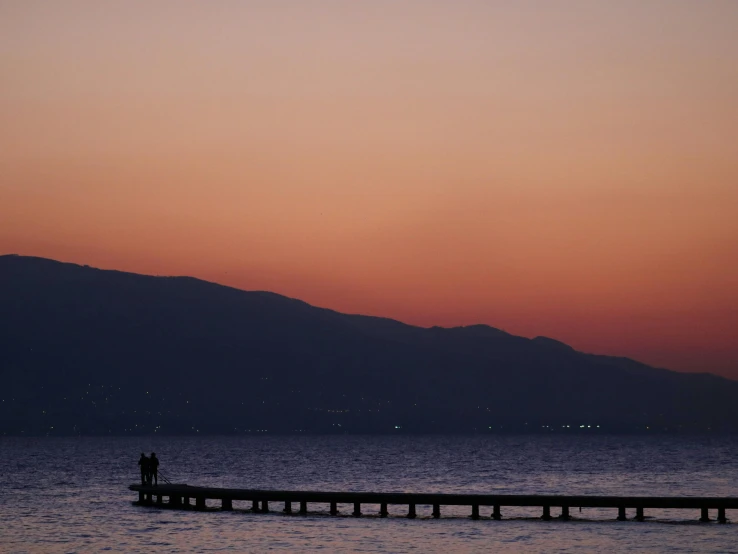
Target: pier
<point x="195" y="498"/>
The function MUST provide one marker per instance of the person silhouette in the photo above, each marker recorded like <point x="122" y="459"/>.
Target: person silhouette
<point x="143" y="461"/>
<point x="154" y="469"/>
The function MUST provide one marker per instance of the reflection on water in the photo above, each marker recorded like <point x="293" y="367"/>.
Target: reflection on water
<point x="67" y="495"/>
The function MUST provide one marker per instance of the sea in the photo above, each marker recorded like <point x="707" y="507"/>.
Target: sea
<point x="71" y="494"/>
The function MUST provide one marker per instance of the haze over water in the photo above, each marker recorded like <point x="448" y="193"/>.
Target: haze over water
<point x="70" y="495"/>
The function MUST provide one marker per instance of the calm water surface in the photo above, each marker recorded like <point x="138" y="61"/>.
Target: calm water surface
<point x="70" y="495"/>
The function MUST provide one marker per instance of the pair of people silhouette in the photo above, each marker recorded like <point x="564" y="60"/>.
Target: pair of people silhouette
<point x="149" y="469"/>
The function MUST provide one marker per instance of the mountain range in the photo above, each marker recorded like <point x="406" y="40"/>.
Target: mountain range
<point x="90" y="351"/>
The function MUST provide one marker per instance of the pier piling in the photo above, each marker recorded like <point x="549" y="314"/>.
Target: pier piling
<point x="287" y="507"/>
<point x="411" y="512"/>
<point x="436" y="511"/>
<point x="621" y="513"/>
<point x="334" y="509"/>
<point x="383" y="510"/>
<point x="496" y="514"/>
<point x="475" y="511"/>
<point x="705" y="515"/>
<point x="639" y="514"/>
<point x="546" y="513"/>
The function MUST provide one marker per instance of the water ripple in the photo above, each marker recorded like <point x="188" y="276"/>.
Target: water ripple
<point x="58" y="498"/>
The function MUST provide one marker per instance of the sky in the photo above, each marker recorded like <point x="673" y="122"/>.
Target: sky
<point x="567" y="169"/>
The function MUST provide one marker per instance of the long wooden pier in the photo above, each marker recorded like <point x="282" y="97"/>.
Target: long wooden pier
<point x="191" y="497"/>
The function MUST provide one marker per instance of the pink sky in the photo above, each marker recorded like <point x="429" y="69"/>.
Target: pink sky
<point x="566" y="169"/>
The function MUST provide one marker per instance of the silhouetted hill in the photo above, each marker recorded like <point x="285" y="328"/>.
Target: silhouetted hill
<point x="89" y="351"/>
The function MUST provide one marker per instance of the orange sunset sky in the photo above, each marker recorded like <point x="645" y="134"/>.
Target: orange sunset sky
<point x="567" y="169"/>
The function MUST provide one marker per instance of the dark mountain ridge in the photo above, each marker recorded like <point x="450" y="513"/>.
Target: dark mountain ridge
<point x="92" y="351"/>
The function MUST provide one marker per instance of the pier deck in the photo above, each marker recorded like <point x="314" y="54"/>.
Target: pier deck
<point x="179" y="496"/>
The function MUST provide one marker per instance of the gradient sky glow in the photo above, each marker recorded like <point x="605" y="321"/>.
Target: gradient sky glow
<point x="567" y="169"/>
